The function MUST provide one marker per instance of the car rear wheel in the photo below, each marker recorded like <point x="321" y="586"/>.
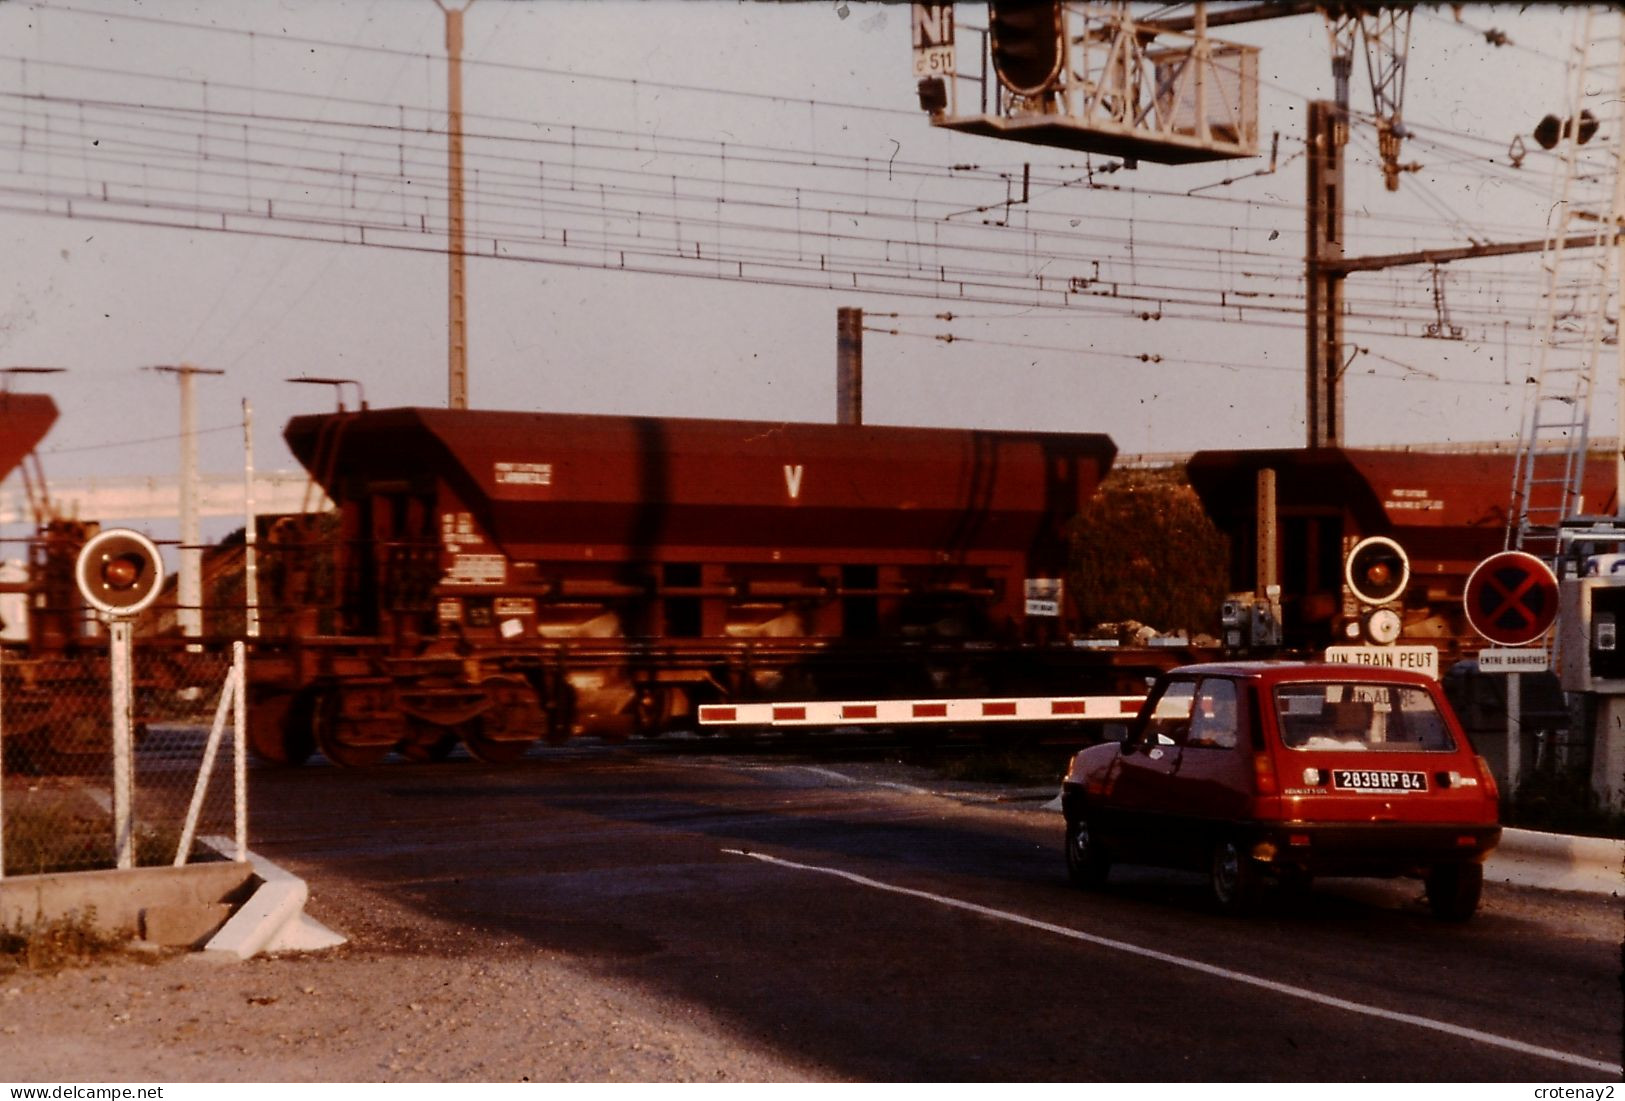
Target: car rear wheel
<point x="1454" y="889"/>
<point x="1086" y="865"/>
<point x="1233" y="878"/>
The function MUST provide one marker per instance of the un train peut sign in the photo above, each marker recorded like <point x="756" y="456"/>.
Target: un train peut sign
<point x="1418" y="659"/>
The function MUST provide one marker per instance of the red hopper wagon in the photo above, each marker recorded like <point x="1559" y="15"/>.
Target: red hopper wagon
<point x="498" y="577"/>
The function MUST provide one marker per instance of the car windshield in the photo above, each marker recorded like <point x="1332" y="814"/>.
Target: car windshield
<point x="1360" y="716"/>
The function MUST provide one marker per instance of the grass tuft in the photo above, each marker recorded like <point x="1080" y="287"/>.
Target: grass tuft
<point x="1014" y="766"/>
<point x="72" y="940"/>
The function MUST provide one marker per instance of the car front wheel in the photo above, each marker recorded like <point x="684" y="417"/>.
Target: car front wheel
<point x="1454" y="889"/>
<point x="1086" y="865"/>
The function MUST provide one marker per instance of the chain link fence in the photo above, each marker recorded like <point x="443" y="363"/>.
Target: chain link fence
<point x="64" y="804"/>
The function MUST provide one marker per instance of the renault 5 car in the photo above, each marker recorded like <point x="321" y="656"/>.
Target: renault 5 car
<point x="1261" y="772"/>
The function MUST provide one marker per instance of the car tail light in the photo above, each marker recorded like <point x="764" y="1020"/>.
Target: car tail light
<point x="1264" y="775"/>
<point x="1487" y="779"/>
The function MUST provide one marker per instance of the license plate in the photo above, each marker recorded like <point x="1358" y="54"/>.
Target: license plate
<point x="1371" y="779"/>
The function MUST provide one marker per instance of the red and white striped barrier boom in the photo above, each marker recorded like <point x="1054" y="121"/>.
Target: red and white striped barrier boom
<point x="897" y="712"/>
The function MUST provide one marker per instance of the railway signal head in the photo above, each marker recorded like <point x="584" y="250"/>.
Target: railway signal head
<point x="119" y="572"/>
<point x="1377" y="570"/>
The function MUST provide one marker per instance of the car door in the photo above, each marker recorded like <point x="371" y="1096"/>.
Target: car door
<point x="1137" y="801"/>
<point x="1206" y="789"/>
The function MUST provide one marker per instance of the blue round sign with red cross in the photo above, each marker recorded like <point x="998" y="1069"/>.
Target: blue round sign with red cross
<point x="1511" y="598"/>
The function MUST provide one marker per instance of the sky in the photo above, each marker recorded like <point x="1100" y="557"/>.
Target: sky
<point x="669" y="201"/>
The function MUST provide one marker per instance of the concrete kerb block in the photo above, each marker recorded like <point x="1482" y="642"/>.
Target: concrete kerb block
<point x="1558" y="862"/>
<point x="273" y="919"/>
<point x="119" y="901"/>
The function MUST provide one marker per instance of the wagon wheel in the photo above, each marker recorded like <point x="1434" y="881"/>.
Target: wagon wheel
<point x="427" y="742"/>
<point x="652" y="708"/>
<point x="299" y="729"/>
<point x="279" y="728"/>
<point x="328" y="731"/>
<point x="267" y="718"/>
<point x="492" y="751"/>
<point x="561" y="712"/>
<point x="513" y="711"/>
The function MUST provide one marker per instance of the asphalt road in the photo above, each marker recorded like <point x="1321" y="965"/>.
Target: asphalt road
<point x="865" y="918"/>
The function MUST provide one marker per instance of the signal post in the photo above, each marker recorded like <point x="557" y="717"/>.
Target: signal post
<point x="1511" y="599"/>
<point x="120" y="573"/>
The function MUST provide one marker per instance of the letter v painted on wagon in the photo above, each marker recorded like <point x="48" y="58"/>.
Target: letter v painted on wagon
<point x="792" y="480"/>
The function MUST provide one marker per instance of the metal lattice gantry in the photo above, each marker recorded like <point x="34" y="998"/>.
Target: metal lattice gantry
<point x="1549" y="474"/>
<point x="1089" y="77"/>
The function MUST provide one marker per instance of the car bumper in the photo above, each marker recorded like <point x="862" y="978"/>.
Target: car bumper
<point x="1370" y="849"/>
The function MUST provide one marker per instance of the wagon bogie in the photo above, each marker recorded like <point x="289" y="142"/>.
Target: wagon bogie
<point x="355" y="723"/>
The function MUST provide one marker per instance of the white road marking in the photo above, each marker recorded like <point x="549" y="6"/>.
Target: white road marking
<point x="845" y="779"/>
<point x="1473" y="1034"/>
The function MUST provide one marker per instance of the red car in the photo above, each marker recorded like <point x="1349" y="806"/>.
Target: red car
<point x="1282" y="771"/>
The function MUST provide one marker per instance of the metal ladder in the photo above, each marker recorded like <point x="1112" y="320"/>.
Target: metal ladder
<point x="1579" y="262"/>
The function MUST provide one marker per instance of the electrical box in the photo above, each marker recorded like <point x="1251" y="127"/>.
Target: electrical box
<point x="1250" y="621"/>
<point x="1590" y="617"/>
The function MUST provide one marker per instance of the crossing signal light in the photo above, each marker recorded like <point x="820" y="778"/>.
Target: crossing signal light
<point x="1377" y="570"/>
<point x="119" y="572"/>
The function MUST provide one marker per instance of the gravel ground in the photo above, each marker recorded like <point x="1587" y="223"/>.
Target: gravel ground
<point x="407" y="1000"/>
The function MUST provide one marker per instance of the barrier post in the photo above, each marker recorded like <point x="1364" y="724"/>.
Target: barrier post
<point x="1514" y="697"/>
<point x="2" y="767"/>
<point x="123" y="744"/>
<point x="239" y="746"/>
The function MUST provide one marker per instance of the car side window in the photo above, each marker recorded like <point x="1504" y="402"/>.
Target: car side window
<point x="1170" y="715"/>
<point x="1213" y="716"/>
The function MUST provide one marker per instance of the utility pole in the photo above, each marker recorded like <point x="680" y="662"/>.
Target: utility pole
<point x="189" y="597"/>
<point x="251" y="574"/>
<point x="457" y="319"/>
<point x="1323" y="277"/>
<point x="849" y="365"/>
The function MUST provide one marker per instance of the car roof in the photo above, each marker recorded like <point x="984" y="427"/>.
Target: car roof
<point x="1280" y="672"/>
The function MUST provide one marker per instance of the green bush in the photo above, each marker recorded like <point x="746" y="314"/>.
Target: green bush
<point x="1144" y="550"/>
